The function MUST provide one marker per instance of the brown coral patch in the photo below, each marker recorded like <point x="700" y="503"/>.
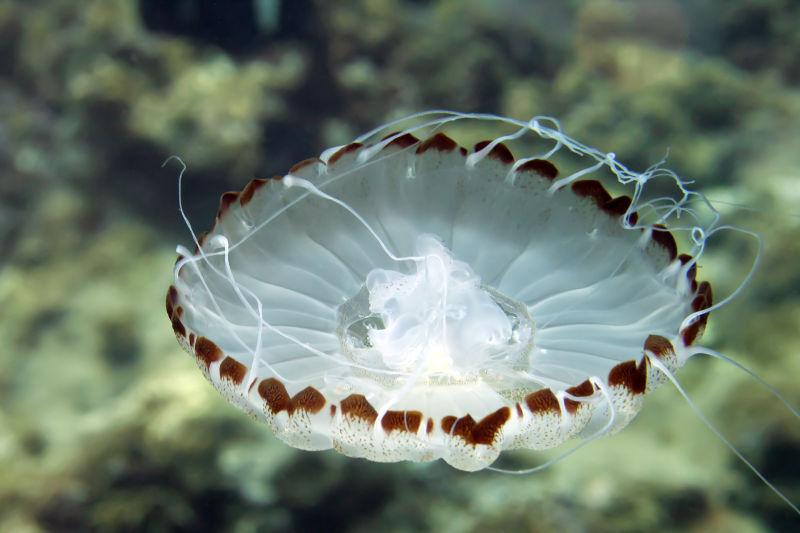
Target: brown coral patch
<point x="542" y="167"/>
<point x="500" y="152"/>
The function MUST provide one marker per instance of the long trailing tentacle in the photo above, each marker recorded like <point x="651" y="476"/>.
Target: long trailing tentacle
<point x="699" y="413"/>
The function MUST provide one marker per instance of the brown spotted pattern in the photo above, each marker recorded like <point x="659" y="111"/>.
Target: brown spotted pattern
<point x="352" y="147"/>
<point x="232" y="370"/>
<point x="499" y="152"/>
<point x="206" y="351"/>
<point x="274" y="394"/>
<point x="250" y="189"/>
<point x="542" y="167"/>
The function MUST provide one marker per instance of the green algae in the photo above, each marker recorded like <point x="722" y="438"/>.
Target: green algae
<point x="106" y="425"/>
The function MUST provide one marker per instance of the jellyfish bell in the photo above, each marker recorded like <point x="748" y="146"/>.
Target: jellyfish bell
<point x="404" y="298"/>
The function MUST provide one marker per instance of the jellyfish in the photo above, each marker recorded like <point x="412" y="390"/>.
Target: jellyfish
<point x="404" y="298"/>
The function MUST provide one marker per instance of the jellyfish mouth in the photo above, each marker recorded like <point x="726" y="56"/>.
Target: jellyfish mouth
<point x="437" y="321"/>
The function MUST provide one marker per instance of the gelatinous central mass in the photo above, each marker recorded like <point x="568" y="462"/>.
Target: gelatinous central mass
<point x="437" y="319"/>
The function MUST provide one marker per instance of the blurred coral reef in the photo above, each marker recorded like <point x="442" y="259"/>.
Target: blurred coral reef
<point x="106" y="425"/>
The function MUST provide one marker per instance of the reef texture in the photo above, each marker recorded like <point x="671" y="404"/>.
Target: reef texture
<point x="105" y="425"/>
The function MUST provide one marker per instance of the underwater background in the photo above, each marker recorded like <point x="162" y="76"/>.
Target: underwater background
<point x="106" y="425"/>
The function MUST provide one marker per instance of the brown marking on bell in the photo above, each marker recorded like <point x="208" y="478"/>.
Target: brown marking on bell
<point x="694" y="330"/>
<point x="592" y="189"/>
<point x="191" y="339"/>
<point x="297" y="167"/>
<point x="172" y="298"/>
<point x="309" y="399"/>
<point x="542" y="167"/>
<point x="581" y="391"/>
<point x="232" y="370"/>
<point x="402" y="141"/>
<point x="542" y="401"/>
<point x="274" y="394"/>
<point x="250" y="189"/>
<point x="207" y="351"/>
<point x="460" y="427"/>
<point x="691" y="273"/>
<point x="618" y="206"/>
<point x="179" y="311"/>
<point x="225" y="202"/>
<point x="704" y="297"/>
<point x="702" y="301"/>
<point x="666" y="240"/>
<point x="393" y="420"/>
<point x="520" y="414"/>
<point x="485" y="431"/>
<point x="659" y="346"/>
<point x="178" y="327"/>
<point x="429" y="426"/>
<point x="463" y="427"/>
<point x="201" y="239"/>
<point x="401" y="421"/>
<point x="447" y="423"/>
<point x="333" y="410"/>
<point x="413" y="420"/>
<point x="440" y="142"/>
<point x="357" y="405"/>
<point x="629" y="375"/>
<point x="352" y="147"/>
<point x="499" y="152"/>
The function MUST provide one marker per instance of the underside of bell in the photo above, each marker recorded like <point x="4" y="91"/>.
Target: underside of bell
<point x="560" y="296"/>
